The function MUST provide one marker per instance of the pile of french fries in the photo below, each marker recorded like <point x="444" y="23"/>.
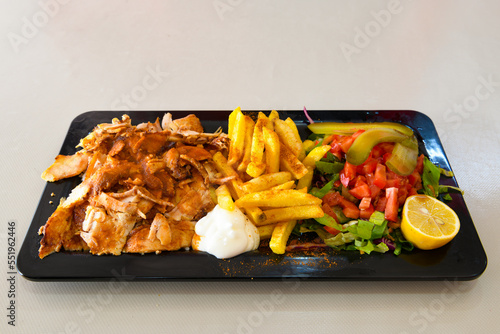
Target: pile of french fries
<point x="270" y="174"/>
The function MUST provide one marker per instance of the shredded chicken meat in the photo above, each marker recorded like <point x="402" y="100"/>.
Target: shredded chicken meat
<point x="143" y="188"/>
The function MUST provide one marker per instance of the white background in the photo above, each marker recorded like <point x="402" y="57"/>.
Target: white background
<point x="431" y="56"/>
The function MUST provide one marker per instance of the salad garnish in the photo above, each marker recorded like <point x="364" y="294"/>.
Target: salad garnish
<point x="364" y="179"/>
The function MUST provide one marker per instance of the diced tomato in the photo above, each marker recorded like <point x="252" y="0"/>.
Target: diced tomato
<point x="386" y="157"/>
<point x="350" y="170"/>
<point x="412" y="192"/>
<point x="366" y="213"/>
<point x="367" y="167"/>
<point x="359" y="180"/>
<point x="380" y="176"/>
<point x="349" y="209"/>
<point x="414" y="178"/>
<point x="332" y="198"/>
<point x="360" y="191"/>
<point x="344" y="179"/>
<point x="337" y="184"/>
<point x="394" y="180"/>
<point x="331" y="230"/>
<point x="386" y="147"/>
<point x="328" y="210"/>
<point x="392" y="205"/>
<point x="402" y="194"/>
<point x="347" y="174"/>
<point x="345" y="143"/>
<point x="394" y="183"/>
<point x="357" y="133"/>
<point x="420" y="164"/>
<point x="327" y="140"/>
<point x="365" y="203"/>
<point x="382" y="201"/>
<point x="374" y="190"/>
<point x="359" y="169"/>
<point x="404" y="181"/>
<point x="369" y="178"/>
<point x="377" y="152"/>
<point x="391" y="175"/>
<point x="335" y="149"/>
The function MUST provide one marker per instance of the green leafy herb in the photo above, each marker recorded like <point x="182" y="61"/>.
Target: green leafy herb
<point x="401" y="242"/>
<point x="379" y="230"/>
<point x="367" y="246"/>
<point x="320" y="193"/>
<point x="340" y="214"/>
<point x="365" y="229"/>
<point x="430" y="180"/>
<point x="328" y="220"/>
<point x="308" y="225"/>
<point x="377" y="218"/>
<point x="313" y="136"/>
<point x="336" y="241"/>
<point x="330" y="157"/>
<point x="329" y="167"/>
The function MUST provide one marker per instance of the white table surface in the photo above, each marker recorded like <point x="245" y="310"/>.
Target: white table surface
<point x="440" y="58"/>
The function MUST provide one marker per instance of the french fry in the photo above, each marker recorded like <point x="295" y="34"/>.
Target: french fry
<point x="272" y="115"/>
<point x="293" y="126"/>
<point x="257" y="166"/>
<point x="287" y="136"/>
<point x="307" y="145"/>
<point x="266" y="231"/>
<point x="256" y="215"/>
<point x="272" y="146"/>
<point x="254" y="169"/>
<point x="277" y="198"/>
<point x="266" y="181"/>
<point x="230" y="123"/>
<point x="286" y="185"/>
<point x="306" y="180"/>
<point x="237" y="146"/>
<point x="247" y="147"/>
<point x="224" y="198"/>
<point x="273" y="154"/>
<point x="289" y="162"/>
<point x="213" y="195"/>
<point x="292" y="213"/>
<point x="223" y="167"/>
<point x="310" y="162"/>
<point x="280" y="236"/>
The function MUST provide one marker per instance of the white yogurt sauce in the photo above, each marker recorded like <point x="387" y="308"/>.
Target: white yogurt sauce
<point x="225" y="234"/>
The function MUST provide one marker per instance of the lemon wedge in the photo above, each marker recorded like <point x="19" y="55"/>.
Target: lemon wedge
<point x="428" y="223"/>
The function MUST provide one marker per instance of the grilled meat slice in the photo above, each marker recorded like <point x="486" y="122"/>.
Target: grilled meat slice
<point x="56" y="230"/>
<point x="66" y="166"/>
<point x="181" y="234"/>
<point x="106" y="233"/>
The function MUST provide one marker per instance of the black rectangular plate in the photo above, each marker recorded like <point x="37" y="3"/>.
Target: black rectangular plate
<point x="462" y="259"/>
